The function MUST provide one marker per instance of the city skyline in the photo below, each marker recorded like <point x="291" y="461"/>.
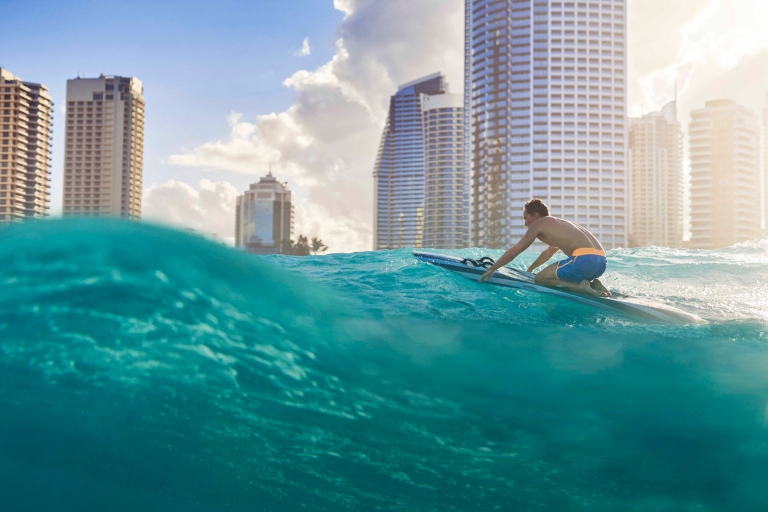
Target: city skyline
<point x="192" y="176"/>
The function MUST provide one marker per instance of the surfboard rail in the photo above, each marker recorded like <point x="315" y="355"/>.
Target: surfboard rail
<point x="636" y="307"/>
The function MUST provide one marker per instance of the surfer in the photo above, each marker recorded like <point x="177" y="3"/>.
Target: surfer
<point x="586" y="257"/>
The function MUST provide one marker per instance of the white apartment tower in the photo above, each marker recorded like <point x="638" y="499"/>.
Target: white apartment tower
<point x="264" y="217"/>
<point x="725" y="175"/>
<point x="446" y="194"/>
<point x="656" y="179"/>
<point x="26" y="128"/>
<point x="104" y="152"/>
<point x="548" y="106"/>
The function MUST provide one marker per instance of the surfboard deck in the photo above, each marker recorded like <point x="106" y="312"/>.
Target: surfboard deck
<point x="636" y="307"/>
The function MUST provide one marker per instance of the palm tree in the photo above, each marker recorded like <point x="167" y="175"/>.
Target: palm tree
<point x="303" y="247"/>
<point x="318" y="246"/>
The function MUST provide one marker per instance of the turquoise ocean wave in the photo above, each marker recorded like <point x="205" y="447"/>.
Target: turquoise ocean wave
<point x="147" y="369"/>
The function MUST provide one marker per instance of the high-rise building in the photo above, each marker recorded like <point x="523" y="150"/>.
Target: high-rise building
<point x="399" y="174"/>
<point x="104" y="154"/>
<point x="725" y="175"/>
<point x="656" y="179"/>
<point x="446" y="194"/>
<point x="548" y="106"/>
<point x="264" y="217"/>
<point x="468" y="113"/>
<point x="26" y="129"/>
<point x="765" y="167"/>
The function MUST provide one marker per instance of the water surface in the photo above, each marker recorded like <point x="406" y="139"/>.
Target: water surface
<point x="142" y="368"/>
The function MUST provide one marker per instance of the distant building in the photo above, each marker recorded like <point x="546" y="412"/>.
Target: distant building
<point x="264" y="217"/>
<point x="548" y="111"/>
<point x="656" y="179"/>
<point x="421" y="196"/>
<point x="725" y="175"/>
<point x="446" y="183"/>
<point x="25" y="148"/>
<point x="398" y="219"/>
<point x="104" y="153"/>
<point x="765" y="167"/>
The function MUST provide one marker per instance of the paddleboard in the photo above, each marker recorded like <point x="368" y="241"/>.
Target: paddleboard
<point x="636" y="307"/>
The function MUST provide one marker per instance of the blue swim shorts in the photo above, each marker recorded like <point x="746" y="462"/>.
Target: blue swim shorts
<point x="586" y="264"/>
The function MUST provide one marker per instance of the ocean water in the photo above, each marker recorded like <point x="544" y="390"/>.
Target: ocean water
<point x="147" y="369"/>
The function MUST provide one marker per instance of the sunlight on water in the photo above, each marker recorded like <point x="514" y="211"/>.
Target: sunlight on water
<point x="142" y="368"/>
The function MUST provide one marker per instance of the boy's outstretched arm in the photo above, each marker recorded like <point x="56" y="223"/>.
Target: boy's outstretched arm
<point x="543" y="257"/>
<point x="515" y="251"/>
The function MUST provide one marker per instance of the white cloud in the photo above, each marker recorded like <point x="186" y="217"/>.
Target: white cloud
<point x="325" y="145"/>
<point x="345" y="6"/>
<point x="209" y="209"/>
<point x="305" y="49"/>
<point x="715" y="38"/>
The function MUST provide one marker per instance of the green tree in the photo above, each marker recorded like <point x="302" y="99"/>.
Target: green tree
<point x="287" y="246"/>
<point x="303" y="247"/>
<point x="318" y="246"/>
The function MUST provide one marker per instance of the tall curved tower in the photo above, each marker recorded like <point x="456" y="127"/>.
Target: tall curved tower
<point x="399" y="171"/>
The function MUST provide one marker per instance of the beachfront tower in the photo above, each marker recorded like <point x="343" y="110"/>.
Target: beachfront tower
<point x="399" y="173"/>
<point x="548" y="115"/>
<point x="26" y="129"/>
<point x="104" y="151"/>
<point x="656" y="179"/>
<point x="264" y="217"/>
<point x="446" y="190"/>
<point x="725" y="175"/>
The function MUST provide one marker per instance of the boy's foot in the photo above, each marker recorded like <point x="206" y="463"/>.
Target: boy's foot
<point x="586" y="288"/>
<point x="602" y="290"/>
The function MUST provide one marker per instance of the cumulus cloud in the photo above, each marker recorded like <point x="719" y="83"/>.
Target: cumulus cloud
<point x="325" y="144"/>
<point x="305" y="49"/>
<point x="689" y="43"/>
<point x="208" y="209"/>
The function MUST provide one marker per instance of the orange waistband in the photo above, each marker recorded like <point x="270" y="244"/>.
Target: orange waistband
<point x="584" y="252"/>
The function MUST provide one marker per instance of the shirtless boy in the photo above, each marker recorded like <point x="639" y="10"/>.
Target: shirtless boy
<point x="586" y="257"/>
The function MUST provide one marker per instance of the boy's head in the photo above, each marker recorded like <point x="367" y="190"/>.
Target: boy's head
<point x="534" y="210"/>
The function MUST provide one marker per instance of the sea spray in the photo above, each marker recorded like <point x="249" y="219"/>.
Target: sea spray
<point x="146" y="368"/>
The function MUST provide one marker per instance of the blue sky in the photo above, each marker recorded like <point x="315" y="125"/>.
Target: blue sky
<point x="198" y="61"/>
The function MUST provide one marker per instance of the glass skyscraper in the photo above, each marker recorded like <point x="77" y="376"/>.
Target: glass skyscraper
<point x="548" y="115"/>
<point x="421" y="180"/>
<point x="264" y="217"/>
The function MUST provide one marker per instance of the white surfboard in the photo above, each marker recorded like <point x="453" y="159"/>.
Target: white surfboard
<point x="633" y="306"/>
